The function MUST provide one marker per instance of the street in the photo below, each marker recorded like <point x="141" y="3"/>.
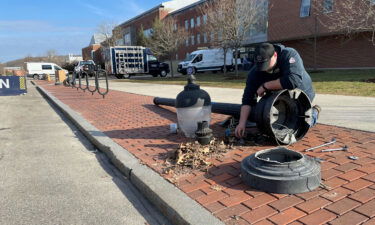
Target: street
<point x="50" y="174"/>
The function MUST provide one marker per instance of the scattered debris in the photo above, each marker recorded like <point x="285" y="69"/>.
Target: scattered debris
<point x="216" y="187"/>
<point x="324" y="186"/>
<point x="235" y="217"/>
<point x="352" y="157"/>
<point x="192" y="155"/>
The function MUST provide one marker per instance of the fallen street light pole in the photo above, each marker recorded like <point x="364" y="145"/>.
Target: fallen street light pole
<point x="284" y="115"/>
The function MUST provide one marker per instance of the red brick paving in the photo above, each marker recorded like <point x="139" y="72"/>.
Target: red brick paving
<point x="134" y="122"/>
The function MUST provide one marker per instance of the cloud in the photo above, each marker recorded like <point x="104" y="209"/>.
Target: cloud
<point x="96" y="10"/>
<point x="36" y="26"/>
<point x="134" y="7"/>
<point x="23" y="25"/>
<point x="22" y="37"/>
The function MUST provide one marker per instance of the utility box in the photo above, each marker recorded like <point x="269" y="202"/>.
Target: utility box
<point x="60" y="75"/>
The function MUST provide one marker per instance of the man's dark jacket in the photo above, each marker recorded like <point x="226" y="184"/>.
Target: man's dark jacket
<point x="289" y="68"/>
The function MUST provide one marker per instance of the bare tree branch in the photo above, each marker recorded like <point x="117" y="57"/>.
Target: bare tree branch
<point x="230" y="22"/>
<point x="108" y="30"/>
<point x="166" y="38"/>
<point x="348" y="16"/>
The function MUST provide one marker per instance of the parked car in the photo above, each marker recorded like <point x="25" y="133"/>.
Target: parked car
<point x="37" y="70"/>
<point x="207" y="60"/>
<point x="80" y="65"/>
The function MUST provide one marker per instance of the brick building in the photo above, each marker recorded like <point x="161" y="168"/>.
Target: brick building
<point x="292" y="23"/>
<point x="126" y="33"/>
<point x="297" y="23"/>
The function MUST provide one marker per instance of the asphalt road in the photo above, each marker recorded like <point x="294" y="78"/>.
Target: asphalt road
<point x="50" y="174"/>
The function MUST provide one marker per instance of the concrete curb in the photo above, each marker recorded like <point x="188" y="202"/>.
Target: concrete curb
<point x="171" y="201"/>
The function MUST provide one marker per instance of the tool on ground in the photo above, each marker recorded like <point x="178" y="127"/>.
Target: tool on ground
<point x="319" y="146"/>
<point x="345" y="148"/>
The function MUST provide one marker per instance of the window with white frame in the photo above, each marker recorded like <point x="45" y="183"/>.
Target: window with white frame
<point x="327" y="6"/>
<point x="305" y="8"/>
<point x="187" y="42"/>
<point x="186" y="24"/>
<point x="192" y="40"/>
<point x="192" y="22"/>
<point x="198" y="21"/>
<point x="204" y="19"/>
<point x="198" y="39"/>
<point x="205" y="38"/>
<point x="220" y="36"/>
<point x="212" y="36"/>
<point x="147" y="33"/>
<point x="175" y="27"/>
<point x="127" y="39"/>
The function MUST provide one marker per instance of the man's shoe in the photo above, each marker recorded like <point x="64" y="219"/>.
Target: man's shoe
<point x="317" y="110"/>
<point x="315" y="115"/>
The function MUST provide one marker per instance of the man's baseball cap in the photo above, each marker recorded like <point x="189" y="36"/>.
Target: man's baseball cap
<point x="263" y="54"/>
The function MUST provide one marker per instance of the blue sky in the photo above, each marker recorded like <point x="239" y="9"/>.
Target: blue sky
<point x="32" y="27"/>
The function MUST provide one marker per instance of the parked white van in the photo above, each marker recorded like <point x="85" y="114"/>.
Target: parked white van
<point x="38" y="69"/>
<point x="206" y="60"/>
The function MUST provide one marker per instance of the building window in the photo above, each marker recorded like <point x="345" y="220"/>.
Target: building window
<point x="327" y="6"/>
<point x="198" y="39"/>
<point x="212" y="37"/>
<point x="127" y="39"/>
<point x="220" y="36"/>
<point x="192" y="40"/>
<point x="175" y="27"/>
<point x="204" y="19"/>
<point x="187" y="42"/>
<point x="186" y="24"/>
<point x="198" y="21"/>
<point x="120" y="42"/>
<point x="205" y="38"/>
<point x="305" y="8"/>
<point x="192" y="22"/>
<point x="147" y="33"/>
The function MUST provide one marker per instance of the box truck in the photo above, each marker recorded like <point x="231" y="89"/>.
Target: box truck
<point x="126" y="61"/>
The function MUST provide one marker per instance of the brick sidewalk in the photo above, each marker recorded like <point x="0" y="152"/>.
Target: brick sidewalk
<point x="134" y="122"/>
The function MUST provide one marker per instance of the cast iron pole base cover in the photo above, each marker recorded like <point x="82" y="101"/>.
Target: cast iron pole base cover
<point x="281" y="170"/>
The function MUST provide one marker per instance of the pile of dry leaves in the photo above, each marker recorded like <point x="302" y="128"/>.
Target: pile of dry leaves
<point x="192" y="155"/>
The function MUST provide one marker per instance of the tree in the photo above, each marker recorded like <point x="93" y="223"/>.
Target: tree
<point x="348" y="17"/>
<point x="51" y="54"/>
<point x="105" y="29"/>
<point x="141" y="38"/>
<point x="165" y="38"/>
<point x="230" y="22"/>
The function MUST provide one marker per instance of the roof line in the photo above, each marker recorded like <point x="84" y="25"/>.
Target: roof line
<point x="187" y="7"/>
<point x="142" y="14"/>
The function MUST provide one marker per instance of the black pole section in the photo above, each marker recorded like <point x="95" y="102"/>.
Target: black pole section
<point x="217" y="107"/>
<point x="165" y="101"/>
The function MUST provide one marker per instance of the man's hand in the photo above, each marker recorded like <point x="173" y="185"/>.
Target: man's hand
<point x="261" y="91"/>
<point x="240" y="130"/>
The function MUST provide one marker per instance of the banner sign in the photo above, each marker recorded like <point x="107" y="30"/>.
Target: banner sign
<point x="12" y="85"/>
